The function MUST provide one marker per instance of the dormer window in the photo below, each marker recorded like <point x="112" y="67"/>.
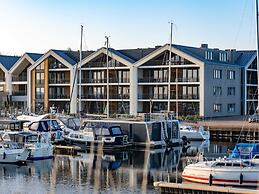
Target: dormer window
<point x="209" y="55"/>
<point x="223" y="56"/>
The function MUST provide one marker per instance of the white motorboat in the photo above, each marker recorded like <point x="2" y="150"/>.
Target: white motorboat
<point x="39" y="144"/>
<point x="194" y="134"/>
<point x="11" y="152"/>
<point x="223" y="172"/>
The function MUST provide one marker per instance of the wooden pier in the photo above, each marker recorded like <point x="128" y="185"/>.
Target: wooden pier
<point x="228" y="128"/>
<point x="176" y="188"/>
<point x="66" y="150"/>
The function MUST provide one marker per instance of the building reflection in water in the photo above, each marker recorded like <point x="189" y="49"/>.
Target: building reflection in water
<point x="102" y="171"/>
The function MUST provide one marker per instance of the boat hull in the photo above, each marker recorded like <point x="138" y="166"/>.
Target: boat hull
<point x="41" y="153"/>
<point x="194" y="135"/>
<point x="248" y="176"/>
<point x="14" y="156"/>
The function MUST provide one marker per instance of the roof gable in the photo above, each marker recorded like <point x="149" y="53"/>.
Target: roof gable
<point x="8" y="61"/>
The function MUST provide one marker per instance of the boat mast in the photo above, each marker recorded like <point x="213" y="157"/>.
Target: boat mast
<point x="107" y="76"/>
<point x="257" y="52"/>
<point x="80" y="73"/>
<point x="169" y="69"/>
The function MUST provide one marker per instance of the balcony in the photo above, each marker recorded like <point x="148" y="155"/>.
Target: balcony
<point x="19" y="78"/>
<point x="19" y="93"/>
<point x="58" y="96"/>
<point x="152" y="80"/>
<point x="53" y="81"/>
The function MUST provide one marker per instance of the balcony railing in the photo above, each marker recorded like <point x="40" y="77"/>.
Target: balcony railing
<point x="58" y="96"/>
<point x="119" y="96"/>
<point x="20" y="93"/>
<point x="154" y="97"/>
<point x="151" y="80"/>
<point x="186" y="79"/>
<point x="23" y="78"/>
<point x="188" y="97"/>
<point x="53" y="81"/>
<point x="94" y="81"/>
<point x="94" y="96"/>
<point x="123" y="80"/>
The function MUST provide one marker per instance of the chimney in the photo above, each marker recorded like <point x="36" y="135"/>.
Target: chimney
<point x="205" y="46"/>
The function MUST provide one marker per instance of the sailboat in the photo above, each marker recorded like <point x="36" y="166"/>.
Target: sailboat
<point x="241" y="169"/>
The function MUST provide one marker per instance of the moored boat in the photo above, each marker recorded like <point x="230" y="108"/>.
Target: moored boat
<point x="194" y="134"/>
<point x="11" y="152"/>
<point x="152" y="130"/>
<point x="98" y="135"/>
<point x="223" y="172"/>
<point x="38" y="144"/>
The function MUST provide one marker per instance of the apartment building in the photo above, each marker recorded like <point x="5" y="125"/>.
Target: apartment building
<point x="194" y="81"/>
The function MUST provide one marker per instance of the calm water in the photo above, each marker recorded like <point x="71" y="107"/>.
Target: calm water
<point x="104" y="172"/>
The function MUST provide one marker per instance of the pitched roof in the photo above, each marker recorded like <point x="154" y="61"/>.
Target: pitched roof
<point x="72" y="57"/>
<point x="244" y="57"/>
<point x="34" y="56"/>
<point x="8" y="61"/>
<point x="136" y="54"/>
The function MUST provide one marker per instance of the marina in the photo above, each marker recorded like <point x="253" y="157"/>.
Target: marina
<point x="128" y="171"/>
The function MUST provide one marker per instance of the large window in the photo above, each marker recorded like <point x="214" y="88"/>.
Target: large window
<point x="217" y="107"/>
<point x="209" y="55"/>
<point x="217" y="91"/>
<point x="217" y="73"/>
<point x="231" y="74"/>
<point x="231" y="91"/>
<point x="231" y="107"/>
<point x="223" y="56"/>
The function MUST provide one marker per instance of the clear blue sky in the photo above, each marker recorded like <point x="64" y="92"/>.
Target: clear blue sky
<point x="39" y="25"/>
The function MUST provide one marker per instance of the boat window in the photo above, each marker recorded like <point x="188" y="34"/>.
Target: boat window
<point x="228" y="164"/>
<point x="236" y="164"/>
<point x="116" y="130"/>
<point x="220" y="164"/>
<point x="105" y="131"/>
<point x="256" y="157"/>
<point x="1" y="146"/>
<point x="34" y="126"/>
<point x="6" y="146"/>
<point x="32" y="139"/>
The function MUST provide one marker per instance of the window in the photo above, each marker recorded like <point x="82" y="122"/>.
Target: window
<point x="217" y="107"/>
<point x="223" y="56"/>
<point x="209" y="55"/>
<point x="231" y="91"/>
<point x="217" y="91"/>
<point x="217" y="73"/>
<point x="231" y="74"/>
<point x="231" y="107"/>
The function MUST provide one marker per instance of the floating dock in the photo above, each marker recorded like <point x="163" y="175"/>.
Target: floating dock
<point x="176" y="188"/>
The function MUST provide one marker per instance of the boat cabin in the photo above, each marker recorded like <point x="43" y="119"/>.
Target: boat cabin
<point x="245" y="150"/>
<point x="48" y="125"/>
<point x="11" y="124"/>
<point x="107" y="134"/>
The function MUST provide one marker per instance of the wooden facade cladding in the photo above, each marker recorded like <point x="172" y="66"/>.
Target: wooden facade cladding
<point x="46" y="85"/>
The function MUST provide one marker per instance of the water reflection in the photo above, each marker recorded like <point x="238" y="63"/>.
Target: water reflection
<point x="130" y="171"/>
